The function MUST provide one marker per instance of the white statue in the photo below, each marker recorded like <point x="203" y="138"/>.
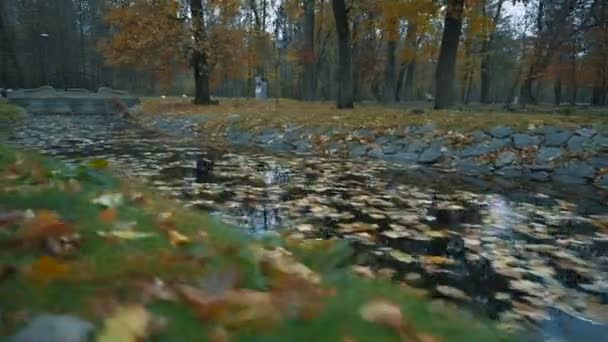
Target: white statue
<point x="261" y="88"/>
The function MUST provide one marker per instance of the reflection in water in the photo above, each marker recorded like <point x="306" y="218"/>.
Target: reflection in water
<point x="515" y="254"/>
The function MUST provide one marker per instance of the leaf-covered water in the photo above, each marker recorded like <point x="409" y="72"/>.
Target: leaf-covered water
<point x="524" y="254"/>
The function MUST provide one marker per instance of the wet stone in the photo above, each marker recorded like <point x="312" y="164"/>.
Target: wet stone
<point x="506" y="158"/>
<point x="266" y="138"/>
<point x="501" y="132"/>
<point x="365" y="133"/>
<point x="522" y="141"/>
<point x="599" y="162"/>
<point x="548" y="154"/>
<point x="239" y="138"/>
<point x="586" y="132"/>
<point x="376" y="152"/>
<point x="425" y="129"/>
<point x="603" y="181"/>
<point x="472" y="168"/>
<point x="402" y="157"/>
<point x="417" y="146"/>
<point x="475" y="151"/>
<point x="556" y="139"/>
<point x="577" y="173"/>
<point x="578" y="143"/>
<point x="511" y="171"/>
<point x="497" y="144"/>
<point x="540" y="176"/>
<point x="390" y="149"/>
<point x="432" y="155"/>
<point x="279" y="147"/>
<point x="359" y="150"/>
<point x="479" y="135"/>
<point x="302" y="146"/>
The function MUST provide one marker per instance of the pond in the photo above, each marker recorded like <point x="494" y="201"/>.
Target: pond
<point x="527" y="255"/>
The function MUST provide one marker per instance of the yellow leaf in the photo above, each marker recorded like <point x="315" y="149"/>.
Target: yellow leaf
<point x="176" y="238"/>
<point x="128" y="324"/>
<point x="99" y="164"/>
<point x="125" y="234"/>
<point x="383" y="312"/>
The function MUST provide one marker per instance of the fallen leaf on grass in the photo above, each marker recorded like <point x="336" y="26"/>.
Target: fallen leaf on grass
<point x="125" y="234"/>
<point x="176" y="238"/>
<point x="383" y="312"/>
<point x="44" y="225"/>
<point x="47" y="269"/>
<point x="99" y="164"/>
<point x="128" y="324"/>
<point x="109" y="215"/>
<point x="109" y="200"/>
<point x="279" y="262"/>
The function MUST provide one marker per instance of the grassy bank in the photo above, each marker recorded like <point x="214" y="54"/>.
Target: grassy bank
<point x="273" y="113"/>
<point x="8" y="113"/>
<point x="77" y="241"/>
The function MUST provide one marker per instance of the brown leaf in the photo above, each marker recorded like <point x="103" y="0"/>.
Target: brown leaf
<point x="177" y="239"/>
<point x="383" y="312"/>
<point x="47" y="269"/>
<point x="250" y="309"/>
<point x="128" y="324"/>
<point x="109" y="215"/>
<point x="205" y="305"/>
<point x="45" y="224"/>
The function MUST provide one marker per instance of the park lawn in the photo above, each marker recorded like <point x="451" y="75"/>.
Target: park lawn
<point x="183" y="276"/>
<point x="255" y="115"/>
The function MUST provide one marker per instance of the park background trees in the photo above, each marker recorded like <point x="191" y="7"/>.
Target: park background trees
<point x="457" y="51"/>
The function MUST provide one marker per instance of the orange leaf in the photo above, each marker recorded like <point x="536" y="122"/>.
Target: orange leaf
<point x="47" y="269"/>
<point x="109" y="215"/>
<point x="44" y="225"/>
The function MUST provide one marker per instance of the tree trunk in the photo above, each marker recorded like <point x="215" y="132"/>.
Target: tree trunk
<point x="9" y="48"/>
<point x="308" y="51"/>
<point x="389" y="71"/>
<point x="446" y="65"/>
<point x="345" y="74"/>
<point x="400" y="77"/>
<point x="408" y="88"/>
<point x="557" y="92"/>
<point x="199" y="56"/>
<point x="408" y="67"/>
<point x="486" y="57"/>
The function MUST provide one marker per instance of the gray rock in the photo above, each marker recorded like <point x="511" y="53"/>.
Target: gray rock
<point x="600" y="141"/>
<point x="557" y="139"/>
<point x="376" y="152"/>
<point x="501" y="132"/>
<point x="239" y="138"/>
<point x="505" y="158"/>
<point x="302" y="146"/>
<point x="599" y="162"/>
<point x="521" y="141"/>
<point x="548" y="154"/>
<point x="475" y="151"/>
<point x="402" y="157"/>
<point x="389" y="149"/>
<point x="578" y="143"/>
<point x="417" y="146"/>
<point x="365" y="133"/>
<point x="603" y="181"/>
<point x="540" y="176"/>
<point x="291" y="135"/>
<point x="497" y="144"/>
<point x="55" y="328"/>
<point x="547" y="130"/>
<point x="425" y="129"/>
<point x="511" y="171"/>
<point x="432" y="155"/>
<point x="539" y="167"/>
<point x="471" y="168"/>
<point x="233" y="117"/>
<point x="577" y="172"/>
<point x="382" y="140"/>
<point x="358" y="150"/>
<point x="586" y="132"/>
<point x="279" y="146"/>
<point x="266" y="138"/>
<point x="478" y="135"/>
<point x="401" y="142"/>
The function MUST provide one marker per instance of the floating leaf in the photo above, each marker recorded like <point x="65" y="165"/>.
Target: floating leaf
<point x="402" y="257"/>
<point x="452" y="292"/>
<point x="128" y="324"/>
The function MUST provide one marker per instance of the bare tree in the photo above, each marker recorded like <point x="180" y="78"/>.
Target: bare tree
<point x="345" y="72"/>
<point x="446" y="65"/>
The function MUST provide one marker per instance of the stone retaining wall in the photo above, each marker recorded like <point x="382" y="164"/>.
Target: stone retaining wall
<point x="539" y="154"/>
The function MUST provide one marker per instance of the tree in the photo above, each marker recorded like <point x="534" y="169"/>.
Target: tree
<point x="486" y="50"/>
<point x="345" y="73"/>
<point x="308" y="56"/>
<point x="446" y="64"/>
<point x="200" y="62"/>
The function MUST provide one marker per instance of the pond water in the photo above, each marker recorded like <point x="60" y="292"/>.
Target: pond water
<point x="528" y="255"/>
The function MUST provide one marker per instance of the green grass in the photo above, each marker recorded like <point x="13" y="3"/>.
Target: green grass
<point x="106" y="273"/>
<point x="9" y="112"/>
